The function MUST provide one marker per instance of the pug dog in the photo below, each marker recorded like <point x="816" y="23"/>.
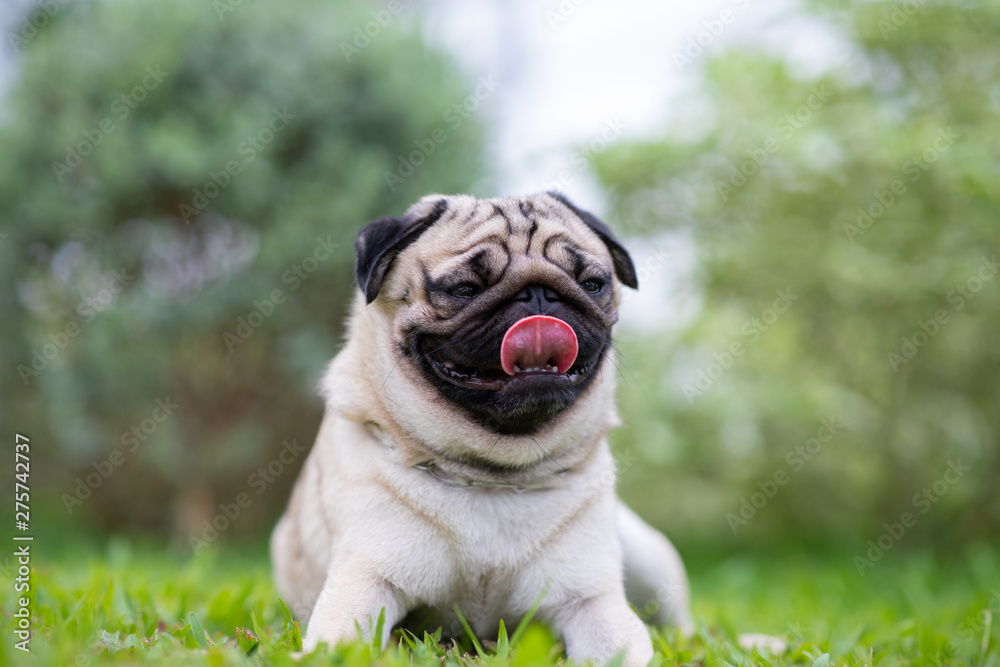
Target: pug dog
<point x="463" y="459"/>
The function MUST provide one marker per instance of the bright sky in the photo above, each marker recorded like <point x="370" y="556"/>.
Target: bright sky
<point x="573" y="72"/>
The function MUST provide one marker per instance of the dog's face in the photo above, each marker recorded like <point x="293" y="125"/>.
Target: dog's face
<point x="464" y="282"/>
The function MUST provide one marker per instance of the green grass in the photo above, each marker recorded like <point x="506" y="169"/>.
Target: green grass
<point x="128" y="605"/>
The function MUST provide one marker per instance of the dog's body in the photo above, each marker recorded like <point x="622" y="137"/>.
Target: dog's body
<point x="438" y="479"/>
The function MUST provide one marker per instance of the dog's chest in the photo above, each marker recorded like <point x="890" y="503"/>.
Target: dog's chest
<point x="489" y="579"/>
<point x="485" y="596"/>
<point x="496" y="541"/>
<point x="504" y="528"/>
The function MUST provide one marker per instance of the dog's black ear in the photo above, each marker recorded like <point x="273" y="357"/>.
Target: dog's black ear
<point x="381" y="240"/>
<point x="624" y="268"/>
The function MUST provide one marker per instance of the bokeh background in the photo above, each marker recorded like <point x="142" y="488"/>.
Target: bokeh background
<point x="810" y="190"/>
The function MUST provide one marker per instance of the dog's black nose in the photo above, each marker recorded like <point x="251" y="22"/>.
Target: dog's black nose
<point x="538" y="299"/>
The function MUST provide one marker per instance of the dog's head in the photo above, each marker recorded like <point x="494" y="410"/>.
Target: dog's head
<point x="463" y="279"/>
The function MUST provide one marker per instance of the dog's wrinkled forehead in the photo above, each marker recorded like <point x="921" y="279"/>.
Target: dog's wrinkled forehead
<point x="481" y="238"/>
<point x="485" y="237"/>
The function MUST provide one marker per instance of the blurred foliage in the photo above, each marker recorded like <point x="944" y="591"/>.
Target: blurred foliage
<point x="771" y="169"/>
<point x="130" y="252"/>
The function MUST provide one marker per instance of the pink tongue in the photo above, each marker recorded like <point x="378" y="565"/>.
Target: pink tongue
<point x="536" y="342"/>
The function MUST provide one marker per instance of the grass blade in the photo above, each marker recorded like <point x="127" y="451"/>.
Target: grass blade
<point x="379" y="628"/>
<point x="523" y="625"/>
<point x="822" y="661"/>
<point x="472" y="635"/>
<point x="985" y="643"/>
<point x="259" y="631"/>
<point x="198" y="632"/>
<point x="503" y="645"/>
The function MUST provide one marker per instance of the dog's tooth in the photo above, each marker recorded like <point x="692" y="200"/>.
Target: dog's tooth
<point x="516" y="369"/>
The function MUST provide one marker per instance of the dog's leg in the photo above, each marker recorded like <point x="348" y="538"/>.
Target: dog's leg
<point x="284" y="549"/>
<point x="598" y="628"/>
<point x="655" y="581"/>
<point x="352" y="595"/>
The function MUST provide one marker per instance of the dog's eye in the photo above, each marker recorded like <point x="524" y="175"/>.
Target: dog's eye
<point x="592" y="286"/>
<point x="464" y="291"/>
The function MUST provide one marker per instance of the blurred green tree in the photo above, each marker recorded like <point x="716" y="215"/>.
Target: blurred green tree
<point x="182" y="183"/>
<point x="867" y="196"/>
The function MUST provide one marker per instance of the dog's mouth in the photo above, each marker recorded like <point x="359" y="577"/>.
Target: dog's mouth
<point x="495" y="378"/>
<point x="537" y="350"/>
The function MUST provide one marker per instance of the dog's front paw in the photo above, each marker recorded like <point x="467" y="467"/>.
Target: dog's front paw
<point x="599" y="628"/>
<point x="639" y="653"/>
